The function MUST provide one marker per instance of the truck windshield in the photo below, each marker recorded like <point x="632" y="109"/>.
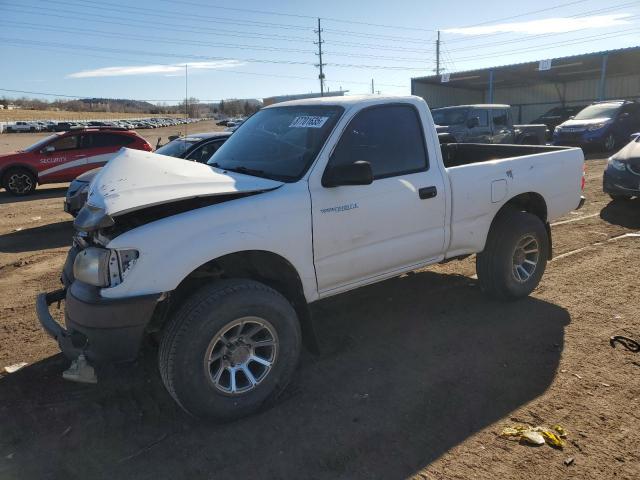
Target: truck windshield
<point x="450" y="116"/>
<point x="601" y="110"/>
<point x="278" y="143"/>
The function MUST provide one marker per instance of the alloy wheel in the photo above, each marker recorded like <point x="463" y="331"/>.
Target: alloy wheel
<point x="525" y="258"/>
<point x="241" y="355"/>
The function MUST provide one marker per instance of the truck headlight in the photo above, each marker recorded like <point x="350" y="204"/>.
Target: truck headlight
<point x="103" y="267"/>
<point x="617" y="164"/>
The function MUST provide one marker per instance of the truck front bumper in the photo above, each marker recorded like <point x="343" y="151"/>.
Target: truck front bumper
<point x="105" y="330"/>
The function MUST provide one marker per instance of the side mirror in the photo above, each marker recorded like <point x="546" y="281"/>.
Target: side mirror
<point x="634" y="136"/>
<point x="357" y="173"/>
<point x="473" y="122"/>
<point x="48" y="149"/>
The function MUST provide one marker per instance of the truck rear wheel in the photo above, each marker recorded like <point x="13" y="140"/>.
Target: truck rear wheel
<point x="19" y="182"/>
<point x="230" y="350"/>
<point x="515" y="255"/>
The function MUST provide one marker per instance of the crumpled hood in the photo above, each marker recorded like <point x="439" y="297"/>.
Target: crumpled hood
<point x="584" y="123"/>
<point x="135" y="179"/>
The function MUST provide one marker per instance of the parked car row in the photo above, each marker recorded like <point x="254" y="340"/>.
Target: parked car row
<point x="602" y="125"/>
<point x="129" y="124"/>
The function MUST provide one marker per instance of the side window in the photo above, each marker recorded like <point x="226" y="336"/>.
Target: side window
<point x="483" y="116"/>
<point x="499" y="117"/>
<point x="69" y="142"/>
<point x="388" y="137"/>
<point x="104" y="140"/>
<point x="203" y="153"/>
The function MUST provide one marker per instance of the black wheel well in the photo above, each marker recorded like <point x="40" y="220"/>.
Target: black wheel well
<point x="530" y="202"/>
<point x="266" y="267"/>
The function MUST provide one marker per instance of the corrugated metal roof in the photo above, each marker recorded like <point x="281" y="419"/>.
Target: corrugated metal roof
<point x="626" y="65"/>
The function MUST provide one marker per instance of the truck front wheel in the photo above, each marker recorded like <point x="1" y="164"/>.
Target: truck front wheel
<point x="230" y="350"/>
<point x="515" y="255"/>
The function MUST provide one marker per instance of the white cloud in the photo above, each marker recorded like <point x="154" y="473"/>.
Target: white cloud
<point x="547" y="25"/>
<point x="168" y="70"/>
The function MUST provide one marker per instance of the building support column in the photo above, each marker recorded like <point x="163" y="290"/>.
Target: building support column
<point x="490" y="86"/>
<point x="603" y="78"/>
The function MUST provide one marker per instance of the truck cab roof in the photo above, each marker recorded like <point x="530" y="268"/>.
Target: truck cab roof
<point x="478" y="105"/>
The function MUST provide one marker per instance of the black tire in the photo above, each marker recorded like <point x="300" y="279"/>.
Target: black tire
<point x="495" y="266"/>
<point x="188" y="336"/>
<point x="618" y="197"/>
<point x="19" y="182"/>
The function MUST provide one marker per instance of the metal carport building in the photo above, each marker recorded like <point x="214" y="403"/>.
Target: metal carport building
<point x="533" y="88"/>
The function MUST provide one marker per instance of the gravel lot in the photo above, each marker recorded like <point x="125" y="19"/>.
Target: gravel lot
<point x="417" y="377"/>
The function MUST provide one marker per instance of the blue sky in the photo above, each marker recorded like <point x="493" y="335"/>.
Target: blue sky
<point x="137" y="49"/>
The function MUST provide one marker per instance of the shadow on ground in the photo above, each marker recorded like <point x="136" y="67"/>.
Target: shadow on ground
<point x="410" y="368"/>
<point x="53" y="235"/>
<point x="39" y="194"/>
<point x="625" y="213"/>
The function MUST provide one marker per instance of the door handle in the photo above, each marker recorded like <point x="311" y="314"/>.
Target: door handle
<point x="427" y="192"/>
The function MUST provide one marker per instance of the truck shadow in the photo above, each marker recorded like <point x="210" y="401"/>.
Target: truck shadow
<point x="625" y="213"/>
<point x="410" y="368"/>
<point x="39" y="194"/>
<point x="53" y="235"/>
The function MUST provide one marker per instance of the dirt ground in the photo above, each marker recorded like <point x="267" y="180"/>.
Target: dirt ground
<point x="417" y="375"/>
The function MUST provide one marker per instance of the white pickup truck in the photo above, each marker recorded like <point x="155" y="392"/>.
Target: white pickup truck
<point x="307" y="199"/>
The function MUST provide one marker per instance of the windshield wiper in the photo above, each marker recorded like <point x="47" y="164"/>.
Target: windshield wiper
<point x="242" y="169"/>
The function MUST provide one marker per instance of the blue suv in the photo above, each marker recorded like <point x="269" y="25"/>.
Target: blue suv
<point x="604" y="125"/>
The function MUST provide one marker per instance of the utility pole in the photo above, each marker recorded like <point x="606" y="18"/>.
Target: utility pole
<point x="186" y="97"/>
<point x="319" y="43"/>
<point x="438" y="54"/>
<point x="372" y="90"/>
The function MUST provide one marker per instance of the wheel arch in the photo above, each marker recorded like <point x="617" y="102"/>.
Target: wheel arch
<point x="25" y="166"/>
<point x="530" y="202"/>
<point x="263" y="266"/>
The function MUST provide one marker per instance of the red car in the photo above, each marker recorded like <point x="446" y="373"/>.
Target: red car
<point x="63" y="156"/>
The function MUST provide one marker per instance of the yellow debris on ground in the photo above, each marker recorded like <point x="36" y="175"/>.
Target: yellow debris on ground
<point x="536" y="435"/>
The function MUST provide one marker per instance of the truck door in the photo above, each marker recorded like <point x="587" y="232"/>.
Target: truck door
<point x="479" y="130"/>
<point x="362" y="232"/>
<point x="502" y="128"/>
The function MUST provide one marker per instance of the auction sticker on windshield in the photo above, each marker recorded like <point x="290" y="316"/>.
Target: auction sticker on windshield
<point x="308" y="121"/>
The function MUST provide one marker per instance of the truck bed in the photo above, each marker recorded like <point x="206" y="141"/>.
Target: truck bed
<point x="483" y="177"/>
<point x="458" y="154"/>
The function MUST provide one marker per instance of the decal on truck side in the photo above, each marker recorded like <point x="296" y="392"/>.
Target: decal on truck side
<point x="340" y="208"/>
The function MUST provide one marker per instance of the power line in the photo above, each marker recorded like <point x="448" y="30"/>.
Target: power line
<point x="172" y="26"/>
<point x="197" y="57"/>
<point x="251" y="23"/>
<point x="529" y="37"/>
<point x="331" y="19"/>
<point x="172" y="15"/>
<point x="579" y="15"/>
<point x="102" y="33"/>
<point x="619" y="33"/>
